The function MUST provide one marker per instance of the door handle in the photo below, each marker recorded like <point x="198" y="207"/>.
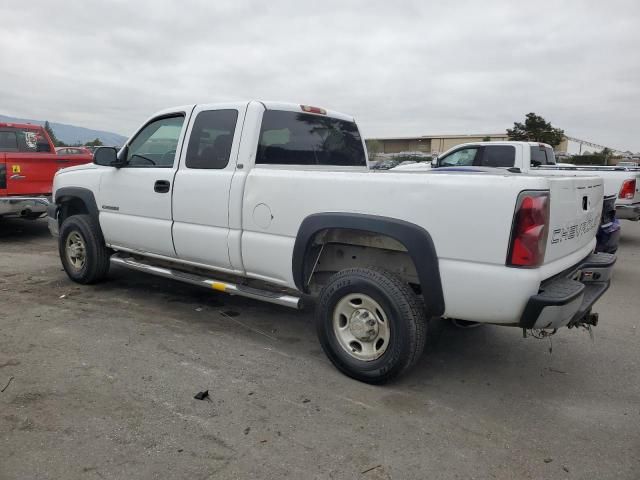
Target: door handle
<point x="17" y="177"/>
<point x="161" y="186"/>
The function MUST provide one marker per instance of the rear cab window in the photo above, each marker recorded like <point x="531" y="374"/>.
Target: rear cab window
<point x="23" y="140"/>
<point x="295" y="138"/>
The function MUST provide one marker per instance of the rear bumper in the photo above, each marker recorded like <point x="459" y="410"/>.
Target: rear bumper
<point x="23" y="206"/>
<point x="628" y="212"/>
<point x="566" y="300"/>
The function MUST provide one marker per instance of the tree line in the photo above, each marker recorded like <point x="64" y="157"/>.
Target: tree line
<point x="59" y="143"/>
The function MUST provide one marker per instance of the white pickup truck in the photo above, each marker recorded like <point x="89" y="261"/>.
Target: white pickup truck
<point x="538" y="158"/>
<point x="275" y="202"/>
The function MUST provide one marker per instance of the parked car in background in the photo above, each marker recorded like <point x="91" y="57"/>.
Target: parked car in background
<point x="275" y="201"/>
<point x="77" y="153"/>
<point x="28" y="162"/>
<point x="73" y="151"/>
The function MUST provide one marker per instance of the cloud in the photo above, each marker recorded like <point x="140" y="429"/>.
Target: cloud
<point x="401" y="68"/>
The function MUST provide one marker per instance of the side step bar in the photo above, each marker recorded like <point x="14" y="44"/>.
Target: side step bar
<point x="201" y="281"/>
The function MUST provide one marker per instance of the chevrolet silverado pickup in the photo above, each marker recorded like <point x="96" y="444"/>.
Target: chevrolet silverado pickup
<point x="533" y="157"/>
<point x="28" y="162"/>
<point x="538" y="159"/>
<point x="275" y="202"/>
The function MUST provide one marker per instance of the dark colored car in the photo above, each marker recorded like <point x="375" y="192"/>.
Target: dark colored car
<point x="608" y="235"/>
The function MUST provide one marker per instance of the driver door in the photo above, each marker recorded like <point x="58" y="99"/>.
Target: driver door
<point x="135" y="200"/>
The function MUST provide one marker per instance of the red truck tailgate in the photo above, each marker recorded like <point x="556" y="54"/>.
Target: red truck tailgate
<point x="30" y="173"/>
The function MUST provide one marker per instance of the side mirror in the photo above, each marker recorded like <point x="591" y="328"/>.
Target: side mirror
<point x="434" y="162"/>
<point x="107" y="157"/>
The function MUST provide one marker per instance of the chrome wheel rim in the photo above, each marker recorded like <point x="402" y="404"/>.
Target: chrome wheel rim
<point x="76" y="250"/>
<point x="361" y="327"/>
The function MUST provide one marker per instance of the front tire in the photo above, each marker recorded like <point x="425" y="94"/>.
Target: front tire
<point x="83" y="253"/>
<point x="370" y="324"/>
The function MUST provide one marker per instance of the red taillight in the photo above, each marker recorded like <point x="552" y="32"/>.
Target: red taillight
<point x="530" y="229"/>
<point x="310" y="109"/>
<point x="628" y="189"/>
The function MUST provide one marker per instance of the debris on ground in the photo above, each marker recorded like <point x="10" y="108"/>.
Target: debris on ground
<point x="548" y="460"/>
<point x="7" y="385"/>
<point x="247" y="430"/>
<point x="370" y="469"/>
<point x="202" y="395"/>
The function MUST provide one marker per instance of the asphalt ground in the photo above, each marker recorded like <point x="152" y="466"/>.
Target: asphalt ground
<point x="103" y="380"/>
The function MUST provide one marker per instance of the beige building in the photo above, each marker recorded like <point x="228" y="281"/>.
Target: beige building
<point x="437" y="144"/>
<point x="430" y="143"/>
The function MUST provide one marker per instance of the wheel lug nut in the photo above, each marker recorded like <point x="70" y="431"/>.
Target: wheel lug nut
<point x="372" y="331"/>
<point x="371" y="322"/>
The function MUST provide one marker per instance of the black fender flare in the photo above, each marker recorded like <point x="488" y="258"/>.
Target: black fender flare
<point x="415" y="239"/>
<point x="67" y="193"/>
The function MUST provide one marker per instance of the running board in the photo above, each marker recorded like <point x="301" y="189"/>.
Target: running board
<point x="201" y="281"/>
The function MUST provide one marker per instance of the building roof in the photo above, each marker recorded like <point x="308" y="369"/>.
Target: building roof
<point x="429" y="137"/>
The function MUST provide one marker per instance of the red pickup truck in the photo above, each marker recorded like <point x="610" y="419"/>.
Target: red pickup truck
<point x="28" y="162"/>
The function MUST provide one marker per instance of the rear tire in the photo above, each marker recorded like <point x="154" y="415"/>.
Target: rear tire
<point x="83" y="253"/>
<point x="370" y="324"/>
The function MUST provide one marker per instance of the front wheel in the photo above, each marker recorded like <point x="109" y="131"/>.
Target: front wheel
<point x="370" y="324"/>
<point x="83" y="253"/>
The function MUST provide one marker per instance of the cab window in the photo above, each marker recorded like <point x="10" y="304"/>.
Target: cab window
<point x="156" y="144"/>
<point x="541" y="155"/>
<point x="460" y="158"/>
<point x="499" y="156"/>
<point x="8" y="141"/>
<point x="211" y="139"/>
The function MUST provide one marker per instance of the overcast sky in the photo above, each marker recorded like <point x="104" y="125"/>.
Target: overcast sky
<point x="401" y="67"/>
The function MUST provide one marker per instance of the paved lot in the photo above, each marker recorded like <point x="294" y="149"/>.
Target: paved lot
<point x="105" y="378"/>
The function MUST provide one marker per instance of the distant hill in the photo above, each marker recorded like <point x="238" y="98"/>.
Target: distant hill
<point x="70" y="134"/>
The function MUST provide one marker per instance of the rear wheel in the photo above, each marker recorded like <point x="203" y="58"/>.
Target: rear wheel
<point x="371" y="324"/>
<point x="83" y="253"/>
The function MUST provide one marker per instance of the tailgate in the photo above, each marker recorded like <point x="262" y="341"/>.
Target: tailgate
<point x="31" y="173"/>
<point x="575" y="214"/>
